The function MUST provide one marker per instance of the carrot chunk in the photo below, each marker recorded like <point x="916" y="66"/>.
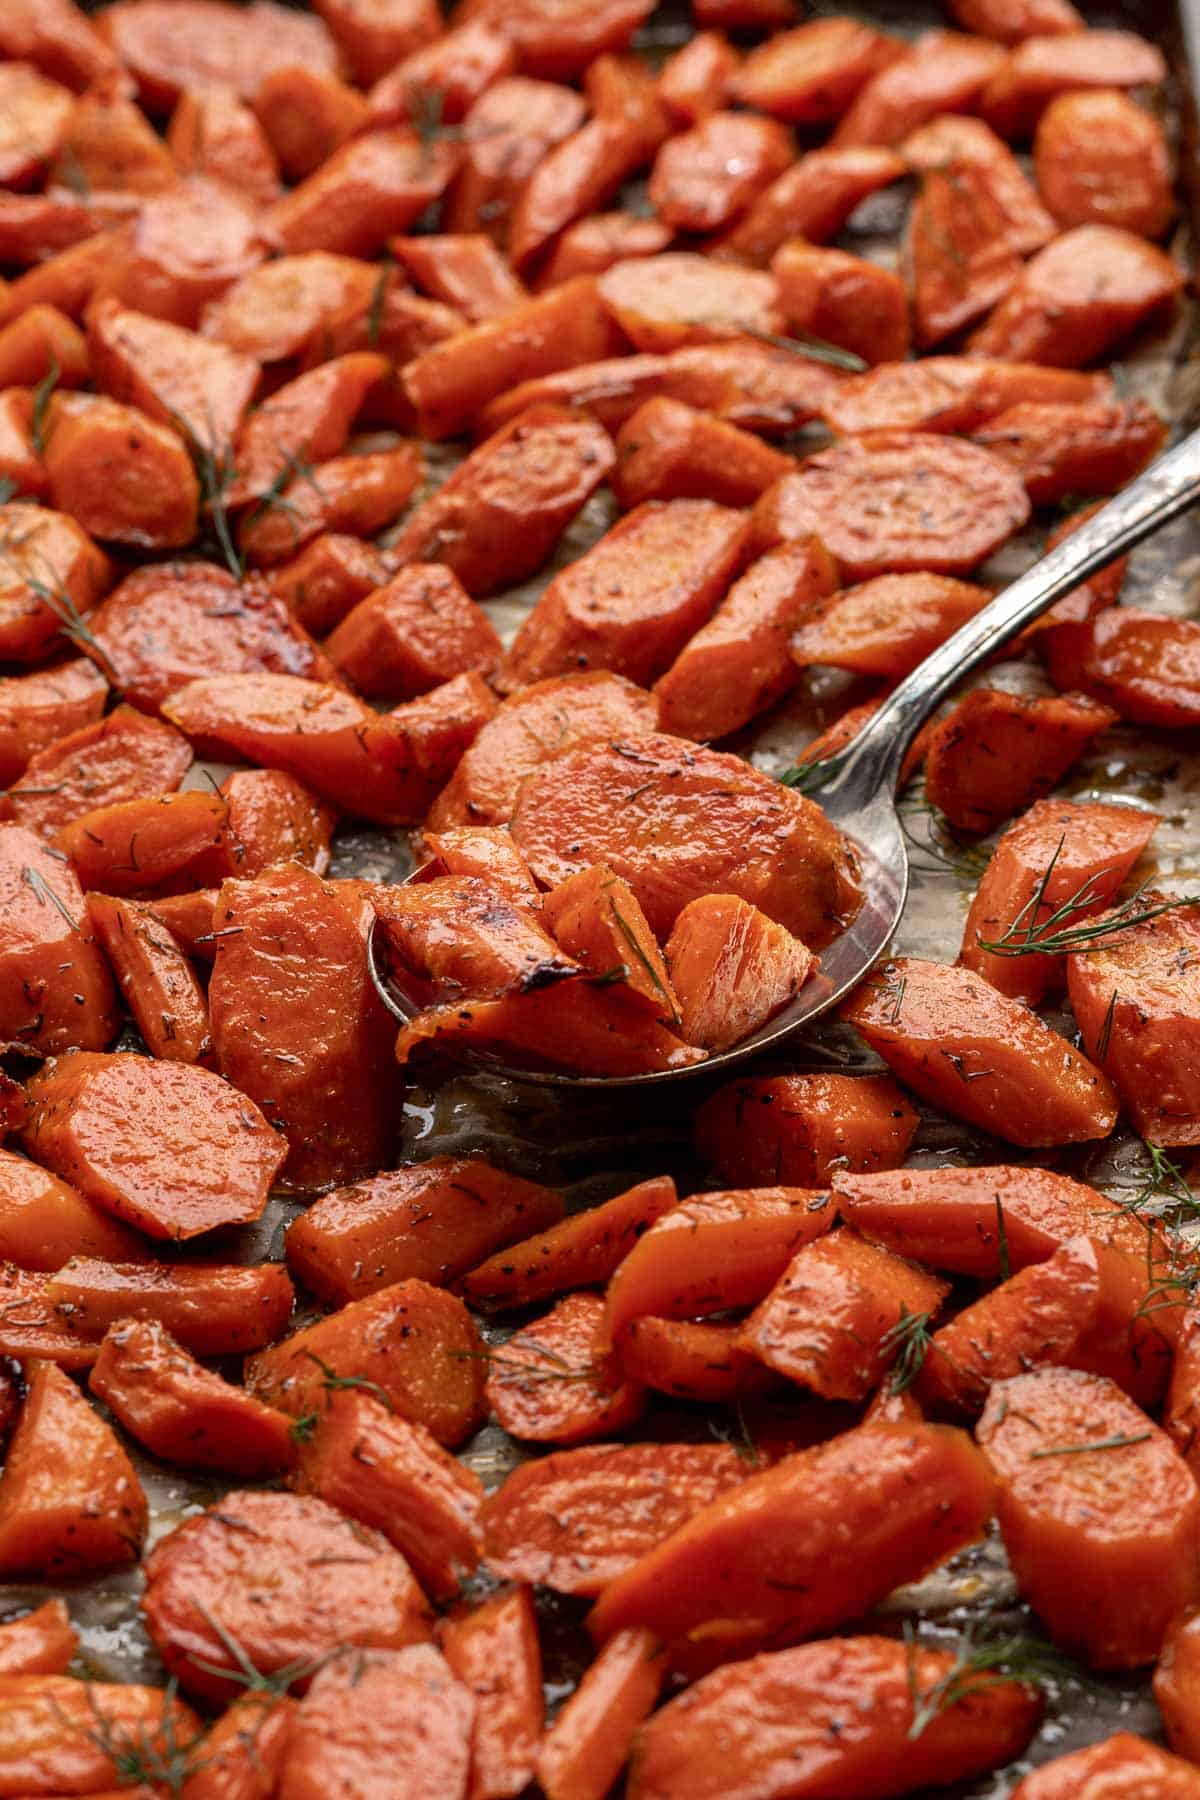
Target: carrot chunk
<point x="596" y="919"/>
<point x="1008" y="21"/>
<point x="271" y="313"/>
<point x="493" y="1649"/>
<point x="580" y="1251"/>
<point x="690" y="1360"/>
<point x="1039" y="68"/>
<point x="698" y="78"/>
<point x="843" y="299"/>
<point x="55" y="989"/>
<point x="459" y="937"/>
<point x="550" y="1383"/>
<point x="307" y="420"/>
<point x="374" y="186"/>
<point x="42" y="1642"/>
<point x="168" y="49"/>
<point x="466" y="270"/>
<point x="155" y="979"/>
<point x="959" y="145"/>
<point x="122" y="757"/>
<point x="58" y="38"/>
<point x="189" y="919"/>
<point x="374" y="40"/>
<point x="1101" y="159"/>
<point x="357" y="493"/>
<point x="798" y="1129"/>
<point x="244" y="1749"/>
<point x="812" y="74"/>
<point x="669" y="451"/>
<point x="1129" y="1762"/>
<point x="1088" y="449"/>
<point x="31" y="1327"/>
<point x="38" y="342"/>
<point x="328" y="579"/>
<point x="1100" y="1514"/>
<point x="393" y="1476"/>
<point x="997" y="752"/>
<point x="586" y="1746"/>
<point x="215" y="134"/>
<point x="485" y="850"/>
<point x="214" y="1309"/>
<point x="885" y="626"/>
<point x="118" y="473"/>
<point x="664" y="302"/>
<point x="703" y="178"/>
<point x="70" y="1502"/>
<point x="168" y="1147"/>
<point x="280" y="1577"/>
<point x="50" y="574"/>
<point x="950" y="393"/>
<point x="961" y="261"/>
<point x="145" y="846"/>
<point x="38" y="709"/>
<point x="1145" y="664"/>
<point x="812" y="200"/>
<point x="1007" y="1073"/>
<point x="1174" y="1686"/>
<point x="53" y="1730"/>
<point x="594" y="243"/>
<point x="182" y="1412"/>
<point x="306" y="115"/>
<point x="732" y="969"/>
<point x="943" y="73"/>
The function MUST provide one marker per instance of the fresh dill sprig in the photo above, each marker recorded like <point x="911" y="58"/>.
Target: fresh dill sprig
<point x="804" y="343"/>
<point x="807" y="778"/>
<point x="334" y="1383"/>
<point x="142" y="1757"/>
<point x="630" y="936"/>
<point x="1056" y="936"/>
<point x="980" y="1663"/>
<point x="941" y="848"/>
<point x="41" y="400"/>
<point x="737" y="1437"/>
<point x="1120" y="1440"/>
<point x="532" y="1372"/>
<point x="245" y="1672"/>
<point x="906" y="1346"/>
<point x="387" y="269"/>
<point x="34" y="879"/>
<point x="1164" y="1181"/>
<point x="54" y="596"/>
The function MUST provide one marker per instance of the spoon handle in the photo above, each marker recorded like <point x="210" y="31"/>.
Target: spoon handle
<point x="1167" y="488"/>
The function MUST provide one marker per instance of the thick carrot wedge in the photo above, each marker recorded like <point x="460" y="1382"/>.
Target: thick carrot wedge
<point x="305" y="116"/>
<point x="664" y="302"/>
<point x="960" y="258"/>
<point x="417" y="631"/>
<point x="411" y="1345"/>
<point x="959" y="146"/>
<point x="576" y="1520"/>
<point x="189" y="919"/>
<point x="374" y="186"/>
<point x="182" y="1412"/>
<point x="979" y="1055"/>
<point x="168" y="1147"/>
<point x="1058" y="852"/>
<point x="550" y="1382"/>
<point x="42" y="1642"/>
<point x="784" y="1552"/>
<point x="583" y="172"/>
<point x="358" y="493"/>
<point x="704" y="177"/>
<point x="1122" y="1764"/>
<point x="1088" y="449"/>
<point x="1174" y="1686"/>
<point x="155" y="979"/>
<point x="217" y="135"/>
<point x="579" y="1252"/>
<point x="49" y="570"/>
<point x="394" y="1476"/>
<point x="271" y="313"/>
<point x="732" y="969"/>
<point x="1040" y="67"/>
<point x="669" y="451"/>
<point x="996" y="752"/>
<point x="172" y="374"/>
<point x="812" y="200"/>
<point x="594" y="243"/>
<point x="1101" y="159"/>
<point x="945" y="73"/>
<point x="53" y="1728"/>
<point x="690" y="1360"/>
<point x="244" y="1749"/>
<point x="31" y="1327"/>
<point x="433" y="1221"/>
<point x="119" y="473"/>
<point x="1145" y="664"/>
<point x="457" y="936"/>
<point x="122" y="757"/>
<point x="695" y="1748"/>
<point x="49" y="956"/>
<point x="1181" y="1411"/>
<point x="43" y="1221"/>
<point x="586" y="1746"/>
<point x="214" y="1309"/>
<point x="1100" y="1514"/>
<point x="328" y="579"/>
<point x="843" y="299"/>
<point x="280" y="1577"/>
<point x="811" y="75"/>
<point x="307" y="420"/>
<point x="488" y="851"/>
<point x="886" y="626"/>
<point x="508" y="131"/>
<point x="594" y="916"/>
<point x="145" y="847"/>
<point x="38" y="709"/>
<point x="59" y="39"/>
<point x="799" y="1129"/>
<point x="985" y="1221"/>
<point x="466" y="271"/>
<point x="70" y="1502"/>
<point x="493" y="1649"/>
<point x="951" y="393"/>
<point x="830" y="1321"/>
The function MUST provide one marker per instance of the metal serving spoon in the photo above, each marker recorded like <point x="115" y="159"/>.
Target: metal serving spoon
<point x="858" y="789"/>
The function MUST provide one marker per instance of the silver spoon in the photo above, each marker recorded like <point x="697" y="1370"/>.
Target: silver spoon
<point x="858" y="789"/>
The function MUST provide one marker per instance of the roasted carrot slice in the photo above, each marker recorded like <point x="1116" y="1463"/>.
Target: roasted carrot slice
<point x="458" y="65"/>
<point x="20" y="465"/>
<point x="581" y="1251"/>
<point x="457" y="936"/>
<point x="374" y="186"/>
<point x="145" y="846"/>
<point x="280" y="1578"/>
<point x="799" y="1697"/>
<point x="886" y="626"/>
<point x="38" y="709"/>
<point x="37" y="342"/>
<point x="984" y="1222"/>
<point x="171" y="1148"/>
<point x="669" y="451"/>
<point x="57" y="38"/>
<point x="357" y="493"/>
<point x="154" y="977"/>
<point x="507" y="131"/>
<point x="55" y="989"/>
<point x="943" y="73"/>
<point x="812" y="200"/>
<point x="950" y="393"/>
<point x="182" y="248"/>
<point x="374" y="42"/>
<point x="550" y="1382"/>
<point x="50" y="572"/>
<point x="167" y="51"/>
<point x="485" y="850"/>
<point x="271" y="313"/>
<point x="798" y="1129"/>
<point x="70" y="1502"/>
<point x="270" y="818"/>
<point x="122" y="757"/>
<point x="594" y="916"/>
<point x="784" y="1552"/>
<point x="306" y="115"/>
<point x="214" y="1309"/>
<point x="594" y="243"/>
<point x="586" y="170"/>
<point x="1128" y="1761"/>
<point x="328" y="579"/>
<point x="979" y="1055"/>
<point x="411" y="1345"/>
<point x="182" y="1412"/>
<point x="1008" y="21"/>
<point x="704" y="177"/>
<point x="842" y="299"/>
<point x="465" y="270"/>
<point x="1098" y="1511"/>
<point x="392" y="1475"/>
<point x="732" y="969"/>
<point x="244" y="1748"/>
<point x="53" y="1731"/>
<point x="956" y="145"/>
<point x="1059" y="852"/>
<point x="1142" y="663"/>
<point x="118" y="473"/>
<point x="493" y="1649"/>
<point x="189" y="919"/>
<point x="1089" y="449"/>
<point x="1040" y="67"/>
<point x="214" y="133"/>
<point x="810" y="75"/>
<point x="586" y="1747"/>
<point x="662" y="303"/>
<point x="42" y="1642"/>
<point x="307" y="420"/>
<point x="997" y="752"/>
<point x="1101" y="159"/>
<point x="960" y="259"/>
<point x="698" y="78"/>
<point x="30" y="1327"/>
<point x="576" y="1520"/>
<point x="1174" y="1686"/>
<point x="690" y="1360"/>
<point x="713" y="1253"/>
<point x="896" y="501"/>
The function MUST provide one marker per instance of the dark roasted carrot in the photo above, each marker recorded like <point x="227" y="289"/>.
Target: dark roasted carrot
<point x="997" y="752"/>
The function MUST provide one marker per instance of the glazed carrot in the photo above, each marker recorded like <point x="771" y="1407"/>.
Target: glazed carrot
<point x="70" y="1503"/>
<point x="956" y="146"/>
<point x="732" y="969"/>
<point x="985" y="1222"/>
<point x="37" y="710"/>
<point x="1130" y="1762"/>
<point x="67" y="278"/>
<point x="560" y="42"/>
<point x="280" y="1578"/>
<point x="393" y="1476"/>
<point x="271" y="313"/>
<point x="1039" y="68"/>
<point x="57" y="38"/>
<point x="577" y="1519"/>
<point x="167" y="50"/>
<point x="585" y="171"/>
<point x="466" y="270"/>
<point x="48" y="953"/>
<point x="43" y="1221"/>
<point x="485" y="850"/>
<point x="1102" y="159"/>
<point x="48" y="566"/>
<point x="896" y="501"/>
<point x="20" y="465"/>
<point x="1099" y="1513"/>
<point x="705" y="177"/>
<point x="713" y="1253"/>
<point x="53" y="1730"/>
<point x="1082" y="853"/>
<point x="690" y="1360"/>
<point x="458" y="66"/>
<point x="538" y="722"/>
<point x="594" y="916"/>
<point x="493" y="1649"/>
<point x="30" y="1327"/>
<point x="296" y="1021"/>
<point x="944" y="73"/>
<point x="457" y="937"/>
<point x="214" y="1309"/>
<point x="580" y="1251"/>
<point x="122" y="757"/>
<point x="1008" y="21"/>
<point x="168" y="1147"/>
<point x="506" y="133"/>
<point x="109" y="145"/>
<point x="830" y="1321"/>
<point x="358" y="493"/>
<point x="1006" y="1073"/>
<point x="813" y="199"/>
<point x="243" y="1750"/>
<point x="843" y="299"/>
<point x="594" y="243"/>
<point x="144" y="846"/>
<point x="997" y="752"/>
<point x="38" y="341"/>
<point x="811" y="75"/>
<point x="664" y="302"/>
<point x="403" y="1706"/>
<point x="886" y="626"/>
<point x="214" y="133"/>
<point x="152" y="497"/>
<point x="307" y="420"/>
<point x="799" y="1747"/>
<point x="271" y="818"/>
<point x="1090" y="597"/>
<point x="1052" y="313"/>
<point x="33" y="226"/>
<point x="1174" y="1681"/>
<point x="178" y="622"/>
<point x="1142" y="663"/>
<point x="550" y="1382"/>
<point x="372" y="43"/>
<point x="498" y="517"/>
<point x="1089" y="449"/>
<point x="307" y="114"/>
<point x="182" y="1412"/>
<point x="790" y="863"/>
<point x="950" y="393"/>
<point x="433" y="1220"/>
<point x="327" y="580"/>
<point x="698" y="78"/>
<point x="374" y="186"/>
<point x="412" y="1345"/>
<point x="189" y="919"/>
<point x="799" y="1128"/>
<point x="669" y="451"/>
<point x="960" y="258"/>
<point x="586" y="1746"/>
<point x="739" y="664"/>
<point x="784" y="1552"/>
<point x="42" y="1642"/>
<point x="181" y="250"/>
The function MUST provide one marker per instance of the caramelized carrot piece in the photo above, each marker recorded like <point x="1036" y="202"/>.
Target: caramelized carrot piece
<point x="182" y="1412"/>
<point x="359" y="494"/>
<point x="37" y="226"/>
<point x="458" y="937"/>
<point x="244" y="1749"/>
<point x="168" y="50"/>
<point x="1057" y="852"/>
<point x="155" y="979"/>
<point x="459" y="67"/>
<point x="586" y="1747"/>
<point x="957" y="145"/>
<point x="694" y="1746"/>
<point x="122" y="757"/>
<point x="374" y="186"/>
<point x="271" y="818"/>
<point x="42" y="1642"/>
<point x="36" y="114"/>
<point x="327" y="580"/>
<point x="690" y="1360"/>
<point x="1174" y="1686"/>
<point x="732" y="969"/>
<point x="307" y="420"/>
<point x="580" y="1251"/>
<point x="144" y="846"/>
<point x="189" y="919"/>
<point x="810" y="75"/>
<point x="118" y="473"/>
<point x="911" y="1012"/>
<point x="597" y="241"/>
<point x="46" y="560"/>
<point x="214" y="133"/>
<point x="1039" y="68"/>
<point x="306" y="115"/>
<point x="1101" y="159"/>
<point x="705" y="177"/>
<point x="1142" y="663"/>
<point x="997" y="752"/>
<point x="493" y="1649"/>
<point x="50" y="1738"/>
<point x="1099" y="1513"/>
<point x="950" y="393"/>
<point x="943" y="73"/>
<point x="577" y="1519"/>
<point x="664" y="302"/>
<point x="784" y="1551"/>
<point x="485" y="850"/>
<point x="669" y="451"/>
<point x="1008" y="21"/>
<point x="374" y="41"/>
<point x="393" y="1476"/>
<point x="843" y="299"/>
<point x="280" y="1577"/>
<point x="798" y="1129"/>
<point x="813" y="199"/>
<point x="961" y="260"/>
<point x="214" y="1309"/>
<point x="419" y="629"/>
<point x="885" y="626"/>
<point x="271" y="313"/>
<point x="698" y="78"/>
<point x="596" y="919"/>
<point x="506" y="133"/>
<point x="411" y="1345"/>
<point x="1090" y="449"/>
<point x="38" y="709"/>
<point x="466" y="270"/>
<point x="550" y="1382"/>
<point x="38" y="342"/>
<point x="30" y="1327"/>
<point x="181" y="250"/>
<point x="1130" y="1762"/>
<point x="433" y="1221"/>
<point x="20" y="465"/>
<point x="58" y="38"/>
<point x="171" y="1148"/>
<point x="49" y="954"/>
<point x="70" y="1502"/>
